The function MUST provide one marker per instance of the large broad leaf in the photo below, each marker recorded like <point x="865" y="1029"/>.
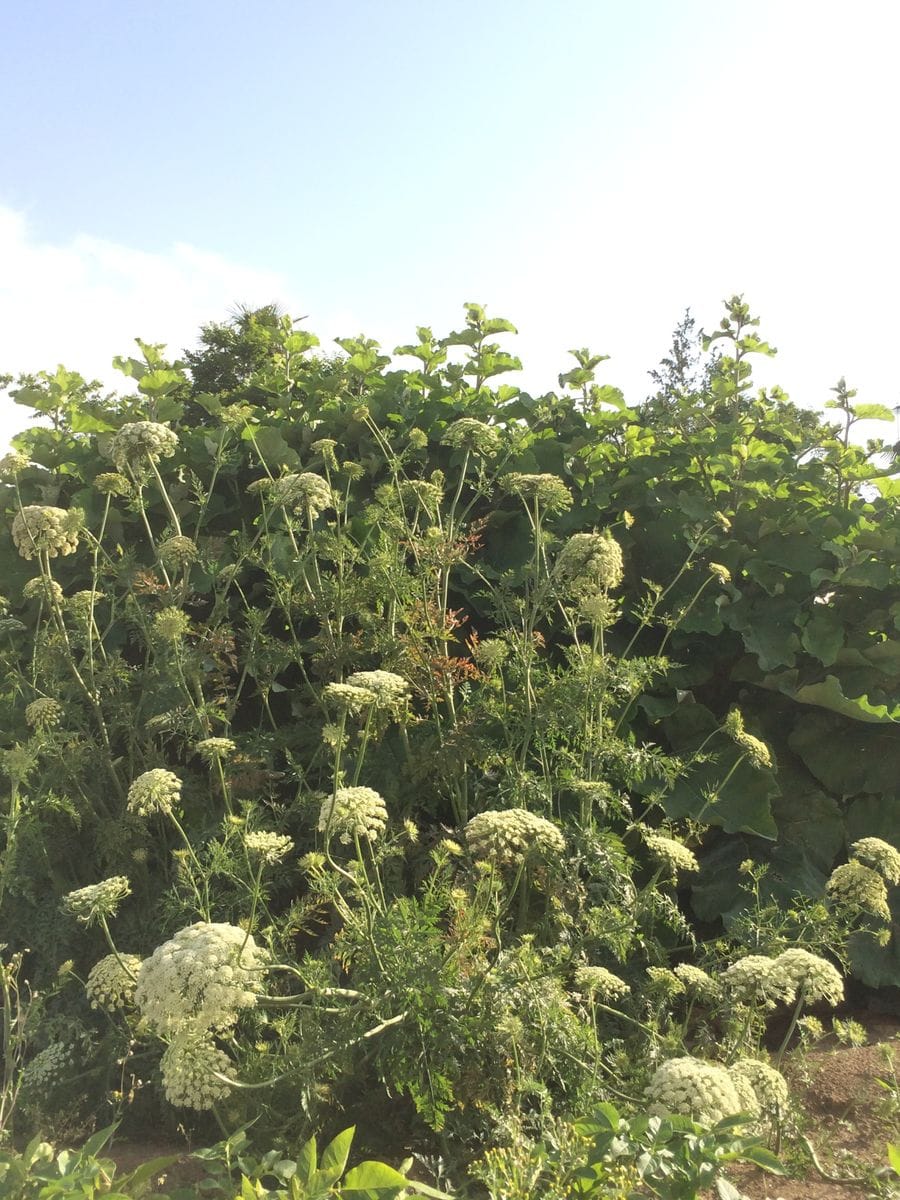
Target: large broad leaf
<point x="875" y="816"/>
<point x="743" y="804"/>
<point x="823" y="637"/>
<point x="808" y="819"/>
<point x="767" y="627"/>
<point x="875" y="965"/>
<point x="848" y="757"/>
<point x="827" y="693"/>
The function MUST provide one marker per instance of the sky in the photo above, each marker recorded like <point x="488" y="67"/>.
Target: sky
<point x="587" y="169"/>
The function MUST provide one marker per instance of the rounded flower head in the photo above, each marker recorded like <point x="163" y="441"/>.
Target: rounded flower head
<point x="50" y="1068"/>
<point x="768" y="1087"/>
<point x="268" y="847"/>
<point x="178" y="552"/>
<point x="12" y="464"/>
<point x="692" y="1088"/>
<point x="156" y="791"/>
<point x="599" y="982"/>
<point x="111" y="483"/>
<point x="672" y="856"/>
<point x="199" y="980"/>
<point x="549" y="490"/>
<point x="589" y="561"/>
<point x="171" y="624"/>
<point x="140" y="442"/>
<point x="469" y="434"/>
<point x="190" y="1068"/>
<point x="757" y="751"/>
<point x="698" y="983"/>
<point x="510" y="836"/>
<point x="40" y="527"/>
<point x="349" y="697"/>
<point x="97" y="901"/>
<point x="354" y="812"/>
<point x="44" y="713"/>
<point x="81" y="605"/>
<point x="858" y="886"/>
<point x="109" y="985"/>
<point x="212" y="748"/>
<point x="47" y="591"/>
<point x="880" y="856"/>
<point x="390" y="689"/>
<point x="326" y="447"/>
<point x="815" y="977"/>
<point x="664" y="983"/>
<point x="756" y="979"/>
<point x="302" y="493"/>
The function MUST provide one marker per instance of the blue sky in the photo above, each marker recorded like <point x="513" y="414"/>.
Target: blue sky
<point x="588" y="169"/>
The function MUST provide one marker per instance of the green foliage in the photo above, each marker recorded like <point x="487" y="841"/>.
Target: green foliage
<point x="433" y="689"/>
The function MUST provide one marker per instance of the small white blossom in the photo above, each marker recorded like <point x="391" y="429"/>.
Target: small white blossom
<point x="816" y="977"/>
<point x="589" y="561"/>
<point x="41" y="528"/>
<point x="98" y="900"/>
<point x="858" y="886"/>
<point x="306" y="492"/>
<point x="201" y="979"/>
<point x="178" y="551"/>
<point x="467" y="433"/>
<point x="548" y="490"/>
<point x="669" y="854"/>
<point x="756" y="979"/>
<point x="349" y="696"/>
<point x="109" y="985"/>
<point x="879" y="855"/>
<point x="599" y="982"/>
<point x="212" y="748"/>
<point x="269" y="847"/>
<point x="44" y="713"/>
<point x="692" y="1088"/>
<point x="509" y="836"/>
<point x="390" y="689"/>
<point x="768" y="1086"/>
<point x="354" y="812"/>
<point x="187" y="1068"/>
<point x="139" y="442"/>
<point x="698" y="983"/>
<point x="156" y="791"/>
<point x="47" y="590"/>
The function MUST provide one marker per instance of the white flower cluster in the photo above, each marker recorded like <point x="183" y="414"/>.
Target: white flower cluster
<point x="213" y="748"/>
<point x="816" y="977"/>
<point x="547" y="490"/>
<point x="698" y="983"/>
<point x="510" y="836"/>
<point x="200" y="980"/>
<point x="669" y="854"/>
<point x="349" y="696"/>
<point x="467" y="433"/>
<point x="390" y="690"/>
<point x="82" y="604"/>
<point x="178" y="552"/>
<point x="49" y="1068"/>
<point x="171" y="624"/>
<point x="491" y="653"/>
<point x="109" y="985"/>
<point x="11" y="464"/>
<point x="46" y="590"/>
<point x="187" y="1068"/>
<point x="97" y="901"/>
<point x="156" y="791"/>
<point x="880" y="856"/>
<point x="141" y="441"/>
<point x="268" y="847"/>
<point x="768" y="981"/>
<point x="40" y="528"/>
<point x="692" y="1088"/>
<point x="858" y="886"/>
<point x="304" y="492"/>
<point x="44" y="713"/>
<point x="354" y="812"/>
<point x="767" y="1087"/>
<point x="755" y="979"/>
<point x="590" y="560"/>
<point x="111" y="483"/>
<point x="599" y="982"/>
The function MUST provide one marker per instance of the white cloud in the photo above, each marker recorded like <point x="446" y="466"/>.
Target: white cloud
<point x="83" y="302"/>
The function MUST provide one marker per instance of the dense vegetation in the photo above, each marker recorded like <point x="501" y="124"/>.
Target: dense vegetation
<point x="385" y="744"/>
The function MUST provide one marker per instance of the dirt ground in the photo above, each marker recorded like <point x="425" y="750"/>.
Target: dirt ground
<point x="845" y="1114"/>
<point x="847" y="1117"/>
